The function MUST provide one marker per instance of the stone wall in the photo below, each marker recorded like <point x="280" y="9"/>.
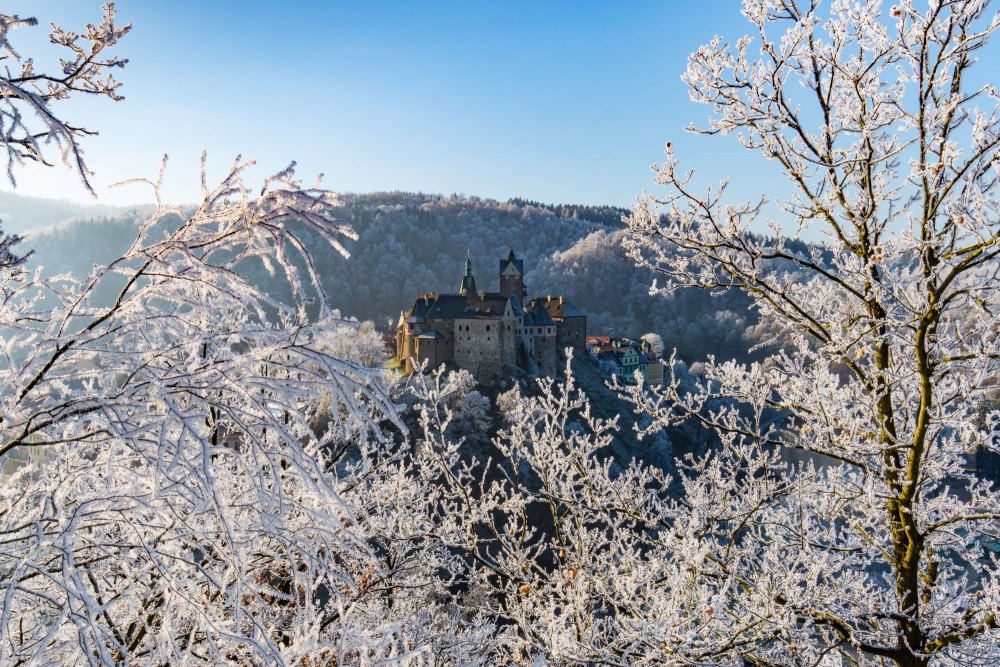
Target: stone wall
<point x="545" y="354"/>
<point x="435" y="352"/>
<point x="573" y="333"/>
<point x="447" y="329"/>
<point x="508" y="341"/>
<point x="478" y="346"/>
<point x="429" y="350"/>
<point x="406" y="349"/>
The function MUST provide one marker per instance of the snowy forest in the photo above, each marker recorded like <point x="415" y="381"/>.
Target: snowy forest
<point x="206" y="460"/>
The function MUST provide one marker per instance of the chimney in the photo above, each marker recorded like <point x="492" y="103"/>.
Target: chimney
<point x="562" y="300"/>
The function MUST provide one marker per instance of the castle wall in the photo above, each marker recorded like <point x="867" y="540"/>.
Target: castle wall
<point x="508" y="338"/>
<point x="478" y="346"/>
<point x="572" y="333"/>
<point x="429" y="350"/>
<point x="525" y="337"/>
<point x="512" y="285"/>
<point x="408" y="350"/>
<point x="435" y="351"/>
<point x="447" y="329"/>
<point x="540" y="341"/>
<point x="545" y="353"/>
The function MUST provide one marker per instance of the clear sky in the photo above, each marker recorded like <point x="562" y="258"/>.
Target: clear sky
<point x="556" y="101"/>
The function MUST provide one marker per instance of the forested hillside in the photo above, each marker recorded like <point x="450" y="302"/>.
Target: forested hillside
<point x="412" y="243"/>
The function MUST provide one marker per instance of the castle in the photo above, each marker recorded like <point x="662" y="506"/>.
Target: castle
<point x="484" y="332"/>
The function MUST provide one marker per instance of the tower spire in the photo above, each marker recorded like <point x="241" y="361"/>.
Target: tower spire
<point x="468" y="285"/>
<point x="512" y="275"/>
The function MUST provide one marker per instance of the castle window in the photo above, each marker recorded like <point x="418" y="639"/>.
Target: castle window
<point x="487" y="327"/>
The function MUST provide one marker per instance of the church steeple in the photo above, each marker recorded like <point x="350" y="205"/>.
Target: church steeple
<point x="468" y="282"/>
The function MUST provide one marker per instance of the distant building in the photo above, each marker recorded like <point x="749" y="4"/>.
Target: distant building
<point x="485" y="331"/>
<point x="623" y="357"/>
<point x="572" y="329"/>
<point x="652" y="369"/>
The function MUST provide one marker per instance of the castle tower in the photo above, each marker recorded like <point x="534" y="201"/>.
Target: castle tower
<point x="468" y="285"/>
<point x="512" y="277"/>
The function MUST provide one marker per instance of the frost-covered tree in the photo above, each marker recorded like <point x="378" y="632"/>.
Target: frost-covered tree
<point x="9" y="259"/>
<point x="350" y="339"/>
<point x="186" y="460"/>
<point x="562" y="554"/>
<point x="30" y="127"/>
<point x="28" y="123"/>
<point x="869" y="549"/>
<point x="169" y="494"/>
<point x="549" y="536"/>
<point x="655" y="342"/>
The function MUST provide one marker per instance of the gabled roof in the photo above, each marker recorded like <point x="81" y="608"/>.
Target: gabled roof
<point x="484" y="305"/>
<point x="559" y="307"/>
<point x="625" y="349"/>
<point x="448" y="306"/>
<point x="617" y="354"/>
<point x="518" y="263"/>
<point x="536" y="316"/>
<point x="418" y="311"/>
<point x="488" y="302"/>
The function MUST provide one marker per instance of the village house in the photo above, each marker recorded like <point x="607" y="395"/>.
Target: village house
<point x="622" y="357"/>
<point x="486" y="332"/>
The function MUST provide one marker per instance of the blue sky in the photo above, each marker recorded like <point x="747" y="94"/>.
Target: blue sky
<point x="555" y="101"/>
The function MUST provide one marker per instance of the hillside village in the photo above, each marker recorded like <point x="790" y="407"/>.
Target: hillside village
<point x="502" y="333"/>
<point x="622" y="357"/>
